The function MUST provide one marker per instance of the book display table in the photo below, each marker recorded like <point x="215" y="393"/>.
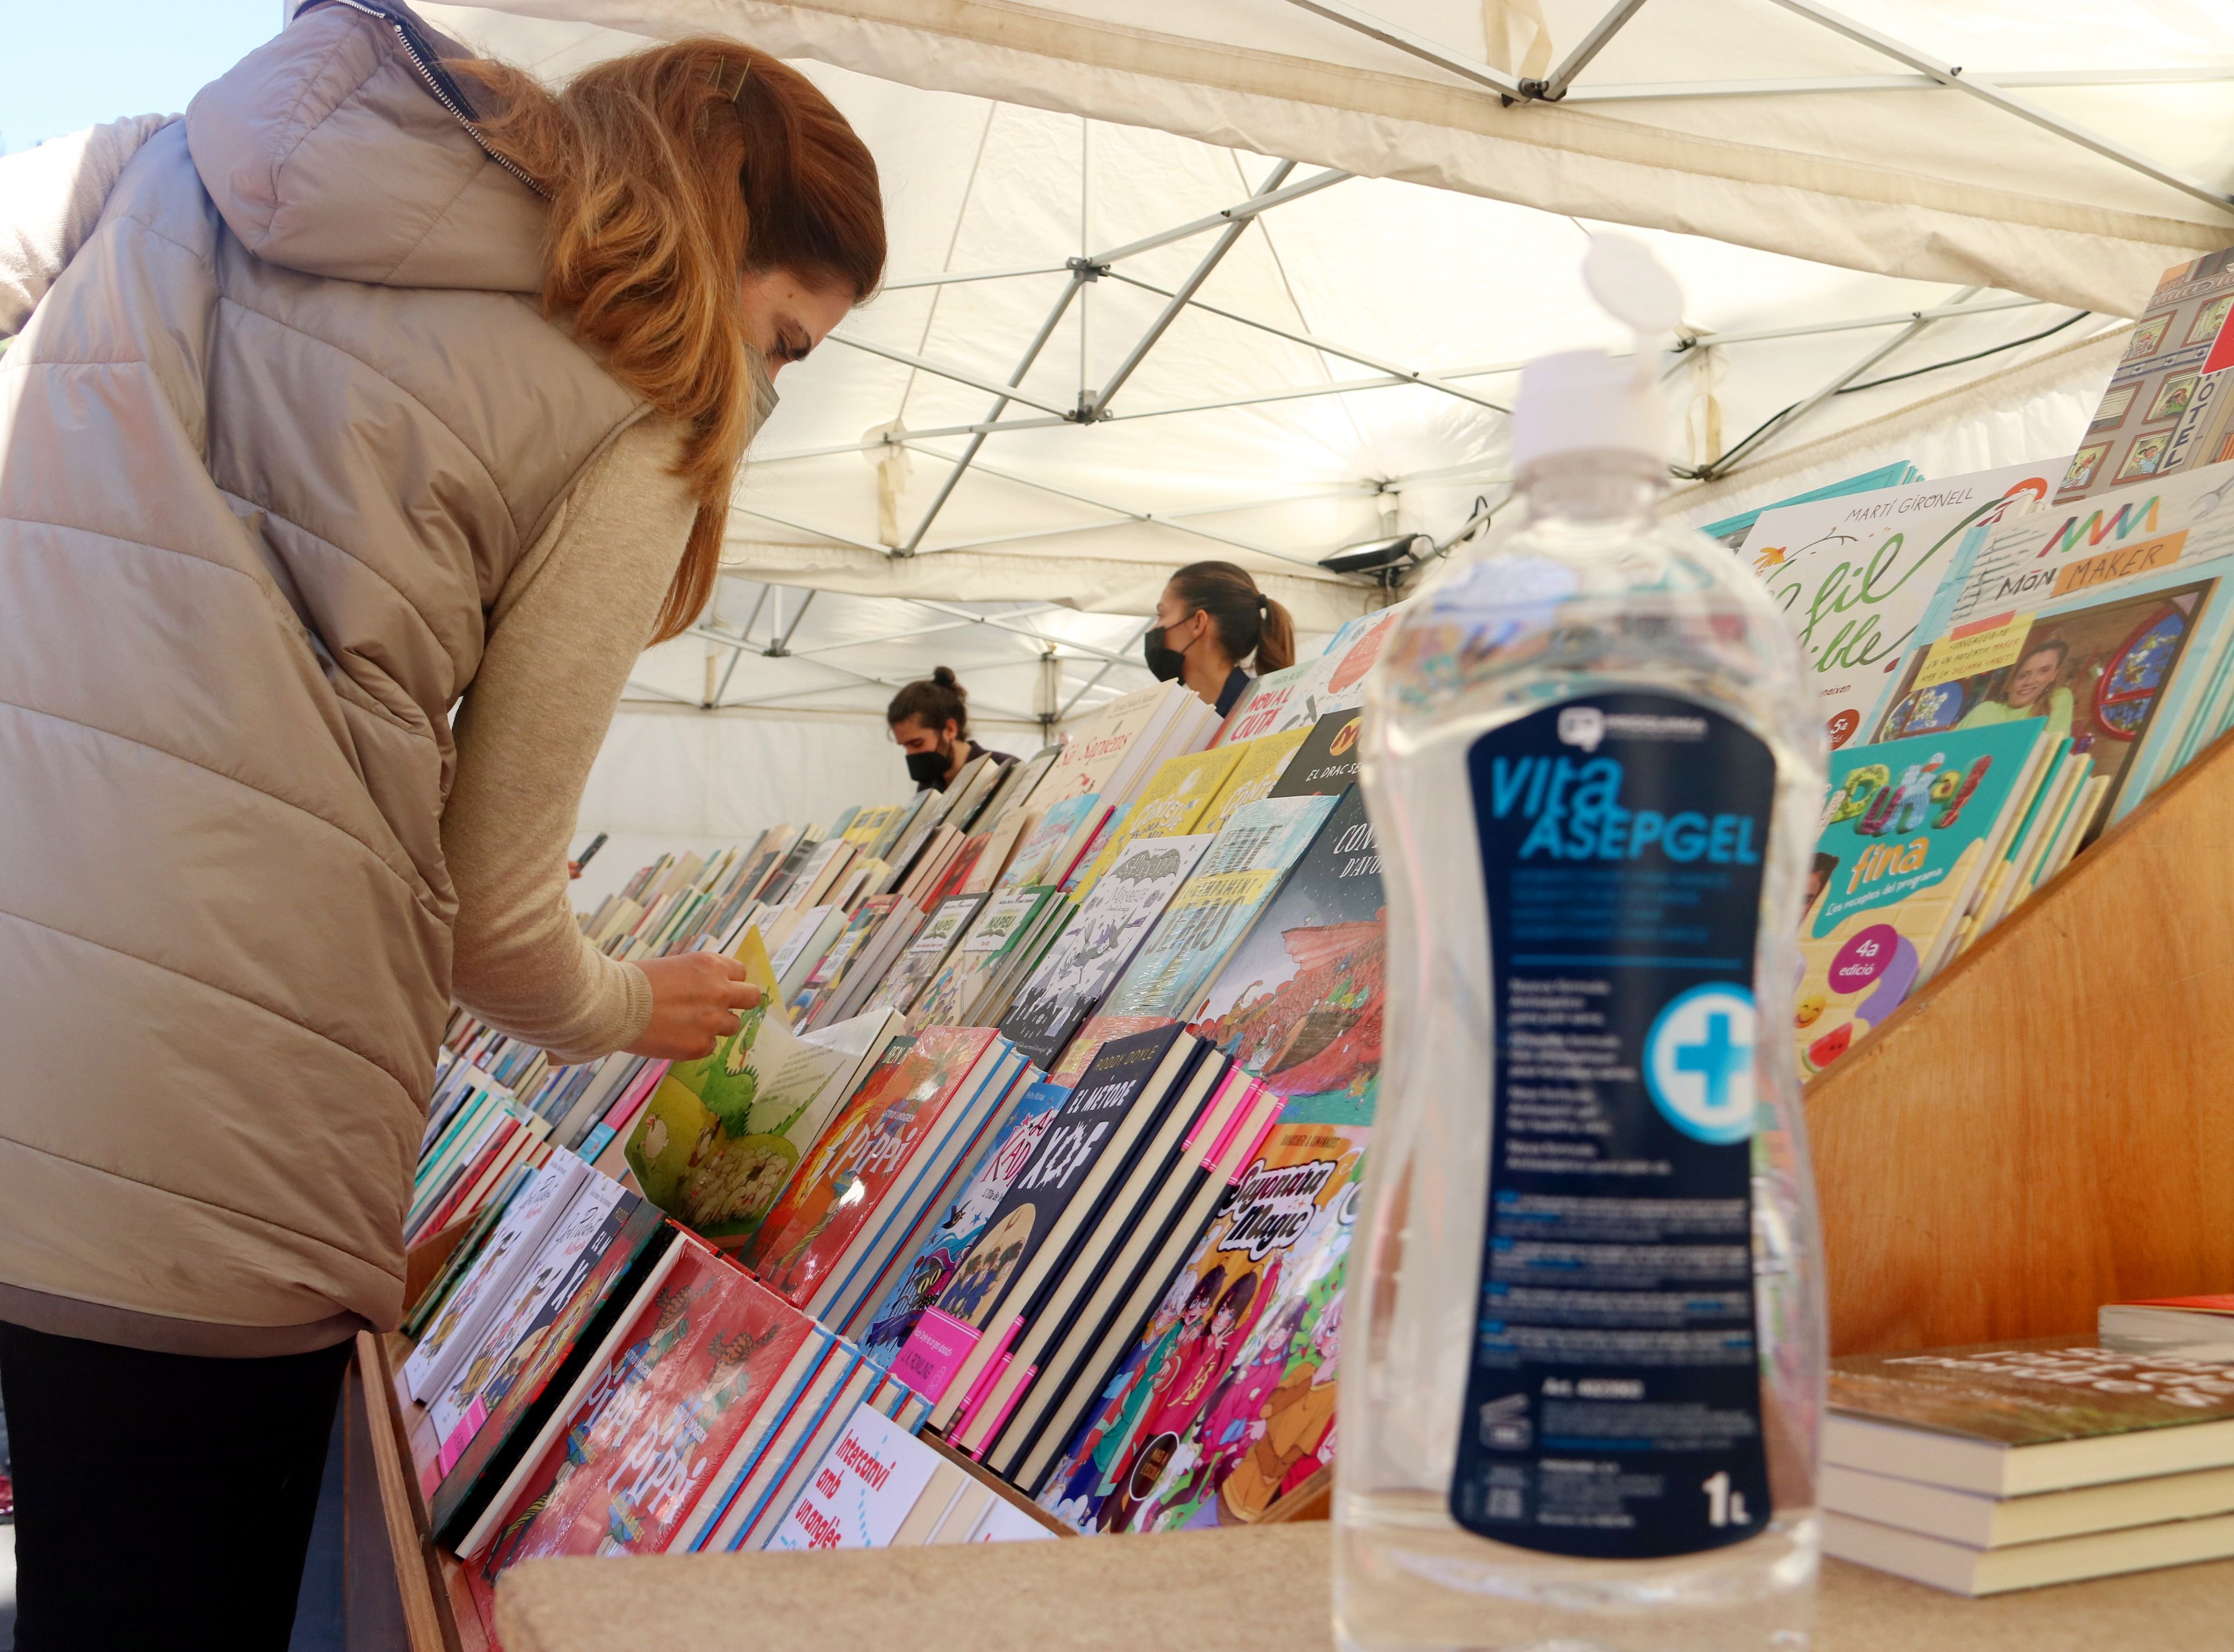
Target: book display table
<point x="1248" y="1590"/>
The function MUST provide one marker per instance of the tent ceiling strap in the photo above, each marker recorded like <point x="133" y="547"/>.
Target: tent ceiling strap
<point x="1002" y="396"/>
<point x="1986" y="90"/>
<point x="1553" y="86"/>
<point x="1097" y="405"/>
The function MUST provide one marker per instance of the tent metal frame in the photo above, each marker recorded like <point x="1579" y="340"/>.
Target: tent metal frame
<point x="1098" y="403"/>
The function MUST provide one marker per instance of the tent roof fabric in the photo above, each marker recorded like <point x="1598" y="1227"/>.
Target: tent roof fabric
<point x="1253" y="280"/>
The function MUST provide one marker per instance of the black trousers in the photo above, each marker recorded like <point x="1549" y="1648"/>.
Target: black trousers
<point x="161" y="1499"/>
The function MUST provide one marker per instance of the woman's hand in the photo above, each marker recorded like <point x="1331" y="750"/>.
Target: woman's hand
<point x="695" y="1000"/>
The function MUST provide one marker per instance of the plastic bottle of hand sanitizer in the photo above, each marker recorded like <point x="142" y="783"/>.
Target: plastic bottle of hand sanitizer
<point x="1583" y="1362"/>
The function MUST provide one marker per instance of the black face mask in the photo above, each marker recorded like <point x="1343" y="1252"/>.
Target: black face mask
<point x="929" y="768"/>
<point x="1163" y="663"/>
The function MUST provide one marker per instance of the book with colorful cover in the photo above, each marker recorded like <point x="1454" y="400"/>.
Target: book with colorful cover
<point x="1079" y="969"/>
<point x="1001" y="924"/>
<point x="1176" y="797"/>
<point x="912" y="971"/>
<point x="1267" y="711"/>
<point x="1270" y="1257"/>
<point x="719" y="1138"/>
<point x="1854" y="576"/>
<point x="2170" y="402"/>
<point x="941" y="1255"/>
<point x="1300" y="1003"/>
<point x="697" y="1369"/>
<point x="521" y="1394"/>
<point x="1908" y="831"/>
<point x="1337" y="679"/>
<point x="1264" y="764"/>
<point x="862" y="1155"/>
<point x="1092" y="754"/>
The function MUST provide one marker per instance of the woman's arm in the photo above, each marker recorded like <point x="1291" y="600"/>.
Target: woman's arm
<point x="50" y="198"/>
<point x="568" y="627"/>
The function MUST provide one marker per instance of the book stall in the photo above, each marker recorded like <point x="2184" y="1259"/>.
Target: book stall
<point x="1019" y="1212"/>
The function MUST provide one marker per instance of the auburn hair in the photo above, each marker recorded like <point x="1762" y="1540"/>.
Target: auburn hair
<point x="673" y="172"/>
<point x="1247" y="620"/>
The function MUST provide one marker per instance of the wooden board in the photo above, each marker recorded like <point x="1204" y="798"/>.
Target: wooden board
<point x="390" y="1598"/>
<point x="1259" y="1589"/>
<point x="2049" y="1124"/>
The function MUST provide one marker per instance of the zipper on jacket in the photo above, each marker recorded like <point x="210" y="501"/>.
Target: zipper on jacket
<point x="446" y="91"/>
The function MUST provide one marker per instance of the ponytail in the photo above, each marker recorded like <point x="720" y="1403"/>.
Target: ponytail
<point x="1249" y="622"/>
<point x="932" y="702"/>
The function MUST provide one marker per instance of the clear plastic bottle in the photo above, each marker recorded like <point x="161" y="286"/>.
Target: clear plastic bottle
<point x="1559" y="1428"/>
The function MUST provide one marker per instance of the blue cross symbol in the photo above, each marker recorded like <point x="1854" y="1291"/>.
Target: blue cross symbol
<point x="1717" y="1058"/>
<point x="1698" y="1062"/>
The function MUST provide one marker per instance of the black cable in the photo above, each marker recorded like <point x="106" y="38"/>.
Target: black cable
<point x="1729" y="454"/>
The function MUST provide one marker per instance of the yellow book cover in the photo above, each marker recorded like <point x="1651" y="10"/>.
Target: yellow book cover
<point x="1178" y="795"/>
<point x="1263" y="760"/>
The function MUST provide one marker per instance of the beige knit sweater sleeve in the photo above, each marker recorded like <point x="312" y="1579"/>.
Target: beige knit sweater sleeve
<point x="569" y="622"/>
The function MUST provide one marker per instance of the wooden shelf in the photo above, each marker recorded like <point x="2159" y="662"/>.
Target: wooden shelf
<point x="2048" y="1124"/>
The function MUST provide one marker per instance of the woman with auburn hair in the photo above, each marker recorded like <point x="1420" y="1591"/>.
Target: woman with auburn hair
<point x="383" y="385"/>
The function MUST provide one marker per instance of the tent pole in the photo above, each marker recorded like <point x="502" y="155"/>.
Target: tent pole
<point x="781" y="646"/>
<point x="1250" y="208"/>
<point x="1785" y="422"/>
<point x="1986" y="91"/>
<point x="919" y="630"/>
<point x="1021" y="631"/>
<point x="1093" y="405"/>
<point x="1554" y="86"/>
<point x="1418" y="45"/>
<point x="1401" y="374"/>
<point x="955" y="276"/>
<point x="1652" y="90"/>
<point x="1080" y="273"/>
<point x="1008" y="393"/>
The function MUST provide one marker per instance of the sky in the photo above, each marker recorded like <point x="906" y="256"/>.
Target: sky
<point x="73" y="63"/>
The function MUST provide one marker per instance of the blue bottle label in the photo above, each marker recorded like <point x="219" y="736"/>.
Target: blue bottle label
<point x="1613" y="1403"/>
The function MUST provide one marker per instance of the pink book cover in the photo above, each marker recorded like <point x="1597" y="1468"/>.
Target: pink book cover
<point x="861" y="1156"/>
<point x="696" y="1367"/>
<point x="621" y="1116"/>
<point x="934" y="1352"/>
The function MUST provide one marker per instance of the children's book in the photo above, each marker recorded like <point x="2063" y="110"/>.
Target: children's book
<point x="1854" y="576"/>
<point x="1263" y="765"/>
<point x="1300" y="1001"/>
<point x="520" y="1396"/>
<point x="1175" y="797"/>
<point x="1094" y="754"/>
<point x="1115" y="918"/>
<point x="2168" y="406"/>
<point x="1268" y="711"/>
<point x="913" y="970"/>
<point x="1001" y="924"/>
<point x="1270" y="1262"/>
<point x="718" y="1139"/>
<point x="861" y="1157"/>
<point x="696" y="1369"/>
<point x="936" y="1263"/>
<point x="1910" y="830"/>
<point x="1337" y="678"/>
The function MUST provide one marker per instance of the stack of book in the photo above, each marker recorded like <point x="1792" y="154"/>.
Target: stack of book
<point x="2009" y="1466"/>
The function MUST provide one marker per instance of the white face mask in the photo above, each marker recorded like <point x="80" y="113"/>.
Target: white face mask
<point x="763" y="385"/>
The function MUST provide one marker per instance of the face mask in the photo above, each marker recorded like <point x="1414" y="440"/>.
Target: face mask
<point x="928" y="768"/>
<point x="1163" y="663"/>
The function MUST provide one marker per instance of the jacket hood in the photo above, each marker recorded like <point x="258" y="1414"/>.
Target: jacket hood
<point x="326" y="152"/>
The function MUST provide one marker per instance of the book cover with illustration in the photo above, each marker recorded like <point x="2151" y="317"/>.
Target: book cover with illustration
<point x="862" y="1490"/>
<point x="912" y="971"/>
<point x="542" y="1367"/>
<point x="1256" y="1260"/>
<point x="2169" y="401"/>
<point x="1337" y="678"/>
<point x="1079" y="969"/>
<point x="861" y="1155"/>
<point x="1001" y="925"/>
<point x="530" y="1216"/>
<point x="1300" y="1003"/>
<point x="1274" y="705"/>
<point x="940" y="1258"/>
<point x="1177" y="797"/>
<point x="1854" y="576"/>
<point x="719" y="1138"/>
<point x="1264" y="763"/>
<point x="1907" y="832"/>
<point x="696" y="1369"/>
<point x="2127" y="673"/>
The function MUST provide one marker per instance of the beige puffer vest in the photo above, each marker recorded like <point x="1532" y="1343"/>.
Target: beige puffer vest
<point x="268" y="450"/>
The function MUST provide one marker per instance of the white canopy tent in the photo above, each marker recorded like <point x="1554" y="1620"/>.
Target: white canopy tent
<point x="1253" y="279"/>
